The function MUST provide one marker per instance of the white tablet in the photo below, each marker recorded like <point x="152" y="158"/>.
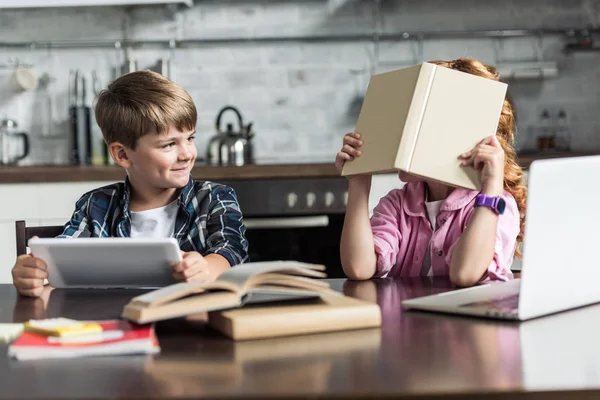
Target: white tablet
<point x="107" y="262"/>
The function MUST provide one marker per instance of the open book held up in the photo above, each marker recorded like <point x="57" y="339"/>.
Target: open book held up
<point x="250" y="282"/>
<point x="421" y="118"/>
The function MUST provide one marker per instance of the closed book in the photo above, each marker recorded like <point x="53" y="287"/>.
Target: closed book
<point x="421" y="118"/>
<point x="327" y="313"/>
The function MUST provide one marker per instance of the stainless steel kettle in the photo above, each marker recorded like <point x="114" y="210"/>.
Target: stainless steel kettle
<point x="231" y="147"/>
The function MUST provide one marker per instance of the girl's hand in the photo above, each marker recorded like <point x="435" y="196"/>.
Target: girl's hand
<point x="349" y="150"/>
<point x="488" y="157"/>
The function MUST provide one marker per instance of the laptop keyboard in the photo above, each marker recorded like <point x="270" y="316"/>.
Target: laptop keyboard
<point x="508" y="304"/>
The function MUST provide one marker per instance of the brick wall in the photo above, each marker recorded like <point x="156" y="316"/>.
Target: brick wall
<point x="299" y="95"/>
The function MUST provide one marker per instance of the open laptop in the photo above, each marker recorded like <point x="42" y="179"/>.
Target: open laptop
<point x="561" y="262"/>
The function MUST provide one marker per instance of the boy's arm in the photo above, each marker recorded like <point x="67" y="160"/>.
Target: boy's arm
<point x="226" y="242"/>
<point x="78" y="225"/>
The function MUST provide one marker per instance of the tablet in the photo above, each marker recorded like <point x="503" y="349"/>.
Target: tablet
<point x="107" y="262"/>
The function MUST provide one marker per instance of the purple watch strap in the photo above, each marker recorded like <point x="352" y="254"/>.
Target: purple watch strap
<point x="483" y="200"/>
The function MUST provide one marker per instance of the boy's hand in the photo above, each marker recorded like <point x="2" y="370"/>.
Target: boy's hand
<point x="193" y="268"/>
<point x="487" y="156"/>
<point x="28" y="275"/>
<point x="349" y="150"/>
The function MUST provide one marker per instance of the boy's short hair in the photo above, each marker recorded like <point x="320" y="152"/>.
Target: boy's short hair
<point x="140" y="103"/>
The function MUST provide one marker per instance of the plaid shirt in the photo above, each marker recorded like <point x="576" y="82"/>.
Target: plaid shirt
<point x="208" y="221"/>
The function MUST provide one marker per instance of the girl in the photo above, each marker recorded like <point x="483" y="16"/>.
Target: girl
<point x="427" y="228"/>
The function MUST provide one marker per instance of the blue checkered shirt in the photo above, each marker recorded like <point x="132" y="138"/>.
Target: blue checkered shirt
<point x="208" y="221"/>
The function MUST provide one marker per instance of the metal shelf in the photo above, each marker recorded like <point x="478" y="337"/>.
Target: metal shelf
<point x="367" y="36"/>
<point x="85" y="3"/>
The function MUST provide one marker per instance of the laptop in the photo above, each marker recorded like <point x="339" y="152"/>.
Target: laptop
<point x="561" y="249"/>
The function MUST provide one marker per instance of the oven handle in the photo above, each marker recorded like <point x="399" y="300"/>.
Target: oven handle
<point x="287" y="222"/>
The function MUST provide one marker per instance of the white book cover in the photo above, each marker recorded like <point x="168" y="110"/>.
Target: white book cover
<point x="421" y="118"/>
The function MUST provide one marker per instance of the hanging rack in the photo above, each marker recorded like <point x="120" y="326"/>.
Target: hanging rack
<point x="367" y="36"/>
<point x="15" y="64"/>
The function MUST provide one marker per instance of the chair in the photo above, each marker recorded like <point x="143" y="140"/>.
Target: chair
<point x="24" y="233"/>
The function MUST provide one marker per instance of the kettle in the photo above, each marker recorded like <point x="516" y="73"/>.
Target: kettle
<point x="9" y="142"/>
<point x="231" y="147"/>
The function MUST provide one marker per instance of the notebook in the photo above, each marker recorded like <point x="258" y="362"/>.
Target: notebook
<point x="421" y="118"/>
<point x="134" y="339"/>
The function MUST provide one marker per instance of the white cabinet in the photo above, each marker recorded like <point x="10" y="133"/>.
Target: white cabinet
<point x="37" y="204"/>
<point x="85" y="3"/>
<point x="9" y="253"/>
<point x="382" y="185"/>
<point x="57" y="200"/>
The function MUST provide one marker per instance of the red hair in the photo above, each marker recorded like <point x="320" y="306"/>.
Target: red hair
<point x="513" y="173"/>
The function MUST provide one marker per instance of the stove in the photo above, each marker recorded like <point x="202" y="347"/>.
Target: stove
<point x="297" y="196"/>
<point x="294" y="219"/>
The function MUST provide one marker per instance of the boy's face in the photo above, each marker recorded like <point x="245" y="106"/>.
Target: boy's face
<point x="163" y="161"/>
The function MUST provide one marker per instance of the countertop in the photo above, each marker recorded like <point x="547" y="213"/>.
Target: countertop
<point x="69" y="173"/>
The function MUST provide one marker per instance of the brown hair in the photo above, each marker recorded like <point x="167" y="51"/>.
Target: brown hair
<point x="140" y="103"/>
<point x="513" y="173"/>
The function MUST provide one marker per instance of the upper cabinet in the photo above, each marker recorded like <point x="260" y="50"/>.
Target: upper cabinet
<point x="84" y="3"/>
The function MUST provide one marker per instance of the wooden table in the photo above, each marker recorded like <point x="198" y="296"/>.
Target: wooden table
<point x="414" y="355"/>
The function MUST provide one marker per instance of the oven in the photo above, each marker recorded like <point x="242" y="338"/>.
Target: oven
<point x="297" y="219"/>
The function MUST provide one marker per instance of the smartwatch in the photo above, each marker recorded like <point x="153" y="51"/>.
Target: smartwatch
<point x="495" y="203"/>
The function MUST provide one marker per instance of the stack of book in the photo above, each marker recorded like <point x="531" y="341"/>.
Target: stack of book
<point x="65" y="338"/>
<point x="260" y="300"/>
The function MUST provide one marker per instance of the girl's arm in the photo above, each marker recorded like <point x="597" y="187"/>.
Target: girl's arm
<point x="357" y="250"/>
<point x="474" y="250"/>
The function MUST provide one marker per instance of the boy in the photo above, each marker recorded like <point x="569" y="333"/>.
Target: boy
<point x="149" y="124"/>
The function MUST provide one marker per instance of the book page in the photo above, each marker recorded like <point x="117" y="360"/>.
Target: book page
<point x="240" y="274"/>
<point x="288" y="282"/>
<point x="178" y="290"/>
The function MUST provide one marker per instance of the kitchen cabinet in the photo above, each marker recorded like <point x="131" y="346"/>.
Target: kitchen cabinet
<point x="84" y="3"/>
<point x="53" y="203"/>
<point x="37" y="204"/>
<point x="380" y="186"/>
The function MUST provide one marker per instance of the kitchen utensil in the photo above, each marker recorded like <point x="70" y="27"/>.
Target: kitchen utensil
<point x="73" y="79"/>
<point x="23" y="80"/>
<point x="85" y="111"/>
<point x="231" y="147"/>
<point x="130" y="65"/>
<point x="42" y="108"/>
<point x="99" y="148"/>
<point x="79" y="120"/>
<point x="9" y="142"/>
<point x="163" y="67"/>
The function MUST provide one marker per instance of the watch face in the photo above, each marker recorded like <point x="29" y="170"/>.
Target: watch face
<point x="501" y="205"/>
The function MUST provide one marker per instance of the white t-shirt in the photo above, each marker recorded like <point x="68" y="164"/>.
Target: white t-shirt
<point x="155" y="223"/>
<point x="433" y="210"/>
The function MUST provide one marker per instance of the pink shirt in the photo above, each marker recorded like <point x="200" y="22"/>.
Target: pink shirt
<point x="402" y="232"/>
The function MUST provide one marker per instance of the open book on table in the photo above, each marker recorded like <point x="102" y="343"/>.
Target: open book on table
<point x="251" y="282"/>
